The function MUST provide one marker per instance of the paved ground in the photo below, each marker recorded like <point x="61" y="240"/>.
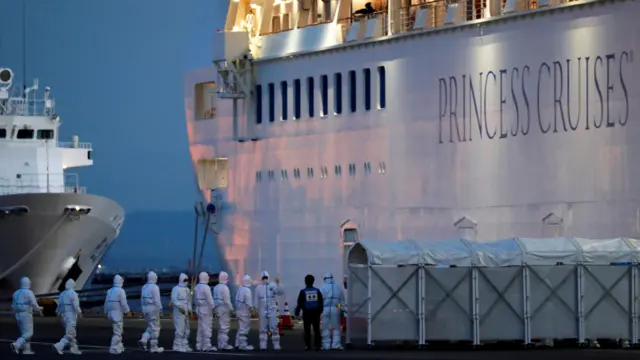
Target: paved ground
<point x="94" y="336"/>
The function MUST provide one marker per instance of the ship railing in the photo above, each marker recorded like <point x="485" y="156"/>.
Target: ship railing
<point x="30" y="106"/>
<point x="75" y="145"/>
<point x="39" y="183"/>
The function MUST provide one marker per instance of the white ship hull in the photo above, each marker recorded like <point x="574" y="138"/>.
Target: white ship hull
<point x="45" y="243"/>
<point x="526" y="166"/>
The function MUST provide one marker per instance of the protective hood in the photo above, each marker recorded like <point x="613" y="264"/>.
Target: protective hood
<point x="152" y="277"/>
<point x="246" y="281"/>
<point x="183" y="280"/>
<point x="203" y="278"/>
<point x="328" y="278"/>
<point x="25" y="283"/>
<point x="70" y="285"/>
<point x="118" y="280"/>
<point x="223" y="277"/>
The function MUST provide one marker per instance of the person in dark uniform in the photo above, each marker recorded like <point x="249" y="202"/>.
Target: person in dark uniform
<point x="311" y="303"/>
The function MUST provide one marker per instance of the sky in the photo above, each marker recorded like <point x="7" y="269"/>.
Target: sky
<point x="116" y="70"/>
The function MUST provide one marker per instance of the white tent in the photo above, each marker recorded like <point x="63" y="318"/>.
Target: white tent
<point x="507" y="252"/>
<point x="511" y="289"/>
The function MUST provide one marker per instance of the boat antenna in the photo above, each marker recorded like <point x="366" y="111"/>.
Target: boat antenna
<point x="24" y="48"/>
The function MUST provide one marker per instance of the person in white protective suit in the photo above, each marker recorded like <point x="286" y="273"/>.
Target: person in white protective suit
<point x="204" y="310"/>
<point x="181" y="300"/>
<point x="332" y="294"/>
<point x="23" y="305"/>
<point x="224" y="307"/>
<point x="244" y="306"/>
<point x="69" y="309"/>
<point x="266" y="296"/>
<point x="115" y="305"/>
<point x="151" y="308"/>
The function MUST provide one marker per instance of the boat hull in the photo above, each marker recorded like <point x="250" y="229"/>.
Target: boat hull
<point x="48" y="246"/>
<point x="524" y="126"/>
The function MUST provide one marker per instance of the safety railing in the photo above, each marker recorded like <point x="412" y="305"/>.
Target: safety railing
<point x="42" y="183"/>
<point x="72" y="145"/>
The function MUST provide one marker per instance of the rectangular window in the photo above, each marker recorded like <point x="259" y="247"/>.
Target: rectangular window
<point x="310" y="97"/>
<point x="353" y="99"/>
<point x="24" y="134"/>
<point x="205" y="100"/>
<point x="46" y="134"/>
<point x="296" y="99"/>
<point x="382" y="83"/>
<point x="272" y="103"/>
<point x="285" y="100"/>
<point x="337" y="93"/>
<point x="3" y="133"/>
<point x="258" y="104"/>
<point x="324" y="88"/>
<point x="367" y="89"/>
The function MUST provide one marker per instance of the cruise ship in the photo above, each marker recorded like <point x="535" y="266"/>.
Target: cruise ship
<point x="51" y="229"/>
<point x="321" y="122"/>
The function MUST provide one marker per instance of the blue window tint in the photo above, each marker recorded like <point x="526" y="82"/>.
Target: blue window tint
<point x="337" y="93"/>
<point x="324" y="85"/>
<point x="382" y="81"/>
<point x="310" y="97"/>
<point x="272" y="103"/>
<point x="258" y="104"/>
<point x="296" y="99"/>
<point x="367" y="89"/>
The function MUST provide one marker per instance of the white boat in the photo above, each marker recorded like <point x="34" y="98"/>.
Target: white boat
<point x="482" y="119"/>
<point x="51" y="229"/>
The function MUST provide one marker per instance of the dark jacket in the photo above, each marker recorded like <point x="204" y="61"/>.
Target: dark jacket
<point x="301" y="303"/>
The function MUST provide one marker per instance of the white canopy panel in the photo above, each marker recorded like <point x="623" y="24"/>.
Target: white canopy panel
<point x="506" y="252"/>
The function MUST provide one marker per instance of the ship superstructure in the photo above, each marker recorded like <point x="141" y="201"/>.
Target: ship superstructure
<point x="50" y="228"/>
<point x="321" y="122"/>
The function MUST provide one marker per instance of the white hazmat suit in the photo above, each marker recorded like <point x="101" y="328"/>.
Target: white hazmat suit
<point x="181" y="300"/>
<point x="244" y="305"/>
<point x="266" y="301"/>
<point x="115" y="305"/>
<point x="23" y="305"/>
<point x="204" y="310"/>
<point x="151" y="308"/>
<point x="224" y="307"/>
<point x="69" y="309"/>
<point x="332" y="294"/>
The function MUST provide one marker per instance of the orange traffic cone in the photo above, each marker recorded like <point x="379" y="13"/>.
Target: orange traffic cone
<point x="286" y="318"/>
<point x="280" y="332"/>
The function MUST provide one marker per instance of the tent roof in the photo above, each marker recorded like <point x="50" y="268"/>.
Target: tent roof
<point x="506" y="252"/>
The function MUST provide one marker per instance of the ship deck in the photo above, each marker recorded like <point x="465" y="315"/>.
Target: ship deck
<point x="94" y="336"/>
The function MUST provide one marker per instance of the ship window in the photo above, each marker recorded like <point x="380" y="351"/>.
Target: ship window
<point x="284" y="175"/>
<point x="324" y="172"/>
<point x="296" y="173"/>
<point x="352" y="169"/>
<point x="46" y="134"/>
<point x="3" y="133"/>
<point x="284" y="93"/>
<point x="258" y="104"/>
<point x="337" y="93"/>
<point x="272" y="103"/>
<point x="24" y="134"/>
<point x="367" y="89"/>
<point x="205" y="100"/>
<point x="310" y="98"/>
<point x="382" y="85"/>
<point x="296" y="99"/>
<point x="367" y="168"/>
<point x="382" y="168"/>
<point x="352" y="91"/>
<point x="310" y="172"/>
<point x="338" y="170"/>
<point x="324" y="87"/>
<point x="258" y="176"/>
<point x="270" y="173"/>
